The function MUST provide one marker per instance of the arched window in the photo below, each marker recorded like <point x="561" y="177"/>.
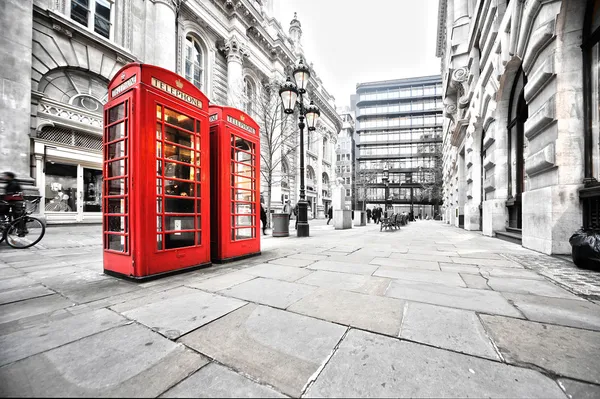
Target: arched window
<point x="194" y="61"/>
<point x="325" y="152"/>
<point x="591" y="87"/>
<point x="310" y="173"/>
<point x="249" y="94"/>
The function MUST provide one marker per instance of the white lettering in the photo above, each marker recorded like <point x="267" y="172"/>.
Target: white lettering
<point x="176" y="93"/>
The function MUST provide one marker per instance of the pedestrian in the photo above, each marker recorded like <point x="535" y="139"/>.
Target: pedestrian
<point x="13" y="195"/>
<point x="368" y="215"/>
<point x="329" y="214"/>
<point x="296" y="216"/>
<point x="263" y="219"/>
<point x="287" y="207"/>
<point x="376" y="215"/>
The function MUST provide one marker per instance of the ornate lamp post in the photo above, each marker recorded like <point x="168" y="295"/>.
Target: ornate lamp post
<point x="386" y="181"/>
<point x="291" y="94"/>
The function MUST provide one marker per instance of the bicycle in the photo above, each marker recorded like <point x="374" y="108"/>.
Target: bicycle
<point x="21" y="232"/>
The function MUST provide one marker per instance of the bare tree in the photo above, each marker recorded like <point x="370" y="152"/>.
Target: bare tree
<point x="364" y="179"/>
<point x="432" y="184"/>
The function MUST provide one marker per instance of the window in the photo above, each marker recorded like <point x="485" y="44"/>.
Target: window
<point x="94" y="15"/>
<point x="249" y="95"/>
<point x="591" y="45"/>
<point x="325" y="153"/>
<point x="348" y="193"/>
<point x="193" y="61"/>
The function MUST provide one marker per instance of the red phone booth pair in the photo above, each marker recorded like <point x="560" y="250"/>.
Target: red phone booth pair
<point x="181" y="178"/>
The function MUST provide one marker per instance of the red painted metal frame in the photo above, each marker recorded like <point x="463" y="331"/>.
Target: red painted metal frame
<point x="143" y="88"/>
<point x="227" y="124"/>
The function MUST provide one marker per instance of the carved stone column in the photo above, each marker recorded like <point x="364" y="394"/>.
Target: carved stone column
<point x="164" y="34"/>
<point x="235" y="50"/>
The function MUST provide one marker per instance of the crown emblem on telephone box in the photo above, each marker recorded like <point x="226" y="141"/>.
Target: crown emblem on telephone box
<point x="178" y="83"/>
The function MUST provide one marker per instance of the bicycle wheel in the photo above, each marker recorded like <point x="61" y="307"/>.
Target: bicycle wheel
<point x="24" y="232"/>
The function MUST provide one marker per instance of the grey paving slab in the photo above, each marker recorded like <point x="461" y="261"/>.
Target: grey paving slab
<point x="486" y="262"/>
<point x="579" y="390"/>
<point x="455" y="297"/>
<point x="279" y="294"/>
<point x="45" y="273"/>
<point x="279" y="348"/>
<point x="352" y="258"/>
<point x="295" y="262"/>
<point x="345" y="281"/>
<point x="459" y="268"/>
<point x="416" y="256"/>
<point x="475" y="281"/>
<point x="178" y="311"/>
<point x="306" y="256"/>
<point x="94" y="290"/>
<point x="277" y="272"/>
<point x="222" y="282"/>
<point x="414" y="264"/>
<point x="369" y="365"/>
<point x="343" y="267"/>
<point x="32" y="307"/>
<point x="344" y="248"/>
<point x="16" y="282"/>
<point x="9" y="272"/>
<point x="426" y="276"/>
<point x="526" y="286"/>
<point x="566" y="312"/>
<point x="566" y="351"/>
<point x="20" y="294"/>
<point x="429" y="251"/>
<point x="377" y="314"/>
<point x="127" y="361"/>
<point x="489" y="271"/>
<point x="455" y="329"/>
<point x="21" y="344"/>
<point x="43" y="261"/>
<point x="373" y="251"/>
<point x="479" y="255"/>
<point x="217" y="381"/>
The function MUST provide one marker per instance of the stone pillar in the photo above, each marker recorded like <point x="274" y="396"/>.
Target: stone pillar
<point x="235" y="51"/>
<point x="16" y="23"/>
<point x="342" y="218"/>
<point x="165" y="52"/>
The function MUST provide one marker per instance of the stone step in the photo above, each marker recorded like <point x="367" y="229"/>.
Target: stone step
<point x="514" y="230"/>
<point x="508" y="236"/>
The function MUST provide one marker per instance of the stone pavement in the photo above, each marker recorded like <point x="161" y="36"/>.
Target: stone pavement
<point x="426" y="311"/>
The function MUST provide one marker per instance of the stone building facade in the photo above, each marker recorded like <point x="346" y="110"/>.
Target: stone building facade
<point x="345" y="157"/>
<point x="59" y="55"/>
<point x="520" y="82"/>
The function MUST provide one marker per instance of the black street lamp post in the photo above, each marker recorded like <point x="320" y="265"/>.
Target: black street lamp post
<point x="386" y="181"/>
<point x="291" y="95"/>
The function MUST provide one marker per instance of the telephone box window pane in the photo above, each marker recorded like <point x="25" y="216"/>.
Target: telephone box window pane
<point x="242" y="182"/>
<point x="176" y="153"/>
<point x="242" y="169"/>
<point x="241" y="208"/>
<point x="179" y="240"/>
<point x="158" y="113"/>
<point x="184" y="189"/>
<point x="116" y="113"/>
<point x="174" y="223"/>
<point x="115" y="242"/>
<point x="242" y="234"/>
<point x="158" y="223"/>
<point x="117" y="150"/>
<point x="198" y="222"/>
<point x="159" y="168"/>
<point x="180" y="120"/>
<point x="158" y="149"/>
<point x="117" y="131"/>
<point x="178" y="136"/>
<point x="243" y="195"/>
<point x="159" y="241"/>
<point x="158" y="186"/>
<point x="179" y="171"/>
<point x="159" y="205"/>
<point x="117" y="187"/>
<point x="117" y="224"/>
<point x="117" y="205"/>
<point x="242" y="221"/>
<point x="198" y="175"/>
<point x="198" y="237"/>
<point x="176" y="205"/>
<point x="158" y="131"/>
<point x="117" y="168"/>
<point x="197" y="126"/>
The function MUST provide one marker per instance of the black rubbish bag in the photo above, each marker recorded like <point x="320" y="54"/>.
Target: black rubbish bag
<point x="586" y="248"/>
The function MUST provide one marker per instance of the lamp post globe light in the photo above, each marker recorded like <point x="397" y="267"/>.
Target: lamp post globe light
<point x="291" y="94"/>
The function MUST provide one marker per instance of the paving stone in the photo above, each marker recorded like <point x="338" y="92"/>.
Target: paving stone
<point x="426" y="276"/>
<point x="489" y="271"/>
<point x="277" y="272"/>
<point x="16" y="282"/>
<point x="32" y="307"/>
<point x="275" y="347"/>
<point x="459" y="268"/>
<point x="343" y="249"/>
<point x="343" y="267"/>
<point x="279" y="294"/>
<point x="21" y="344"/>
<point x="455" y="329"/>
<point x="456" y="297"/>
<point x="9" y="273"/>
<point x="475" y="281"/>
<point x="305" y="256"/>
<point x="421" y="251"/>
<point x="377" y="314"/>
<point x="566" y="351"/>
<point x="579" y="390"/>
<point x="217" y="381"/>
<point x="479" y="255"/>
<point x="292" y="262"/>
<point x="178" y="311"/>
<point x="127" y="361"/>
<point x="222" y="282"/>
<point x="526" y="286"/>
<point x="486" y="262"/>
<point x="566" y="312"/>
<point x="425" y="257"/>
<point x="45" y="273"/>
<point x="370" y="365"/>
<point x="373" y="251"/>
<point x="20" y="294"/>
<point x="92" y="291"/>
<point x="352" y="258"/>
<point x="402" y="263"/>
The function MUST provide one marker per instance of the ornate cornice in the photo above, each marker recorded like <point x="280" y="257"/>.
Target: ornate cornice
<point x="235" y="49"/>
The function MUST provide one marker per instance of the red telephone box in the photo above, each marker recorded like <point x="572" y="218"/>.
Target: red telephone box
<point x="235" y="184"/>
<point x="156" y="205"/>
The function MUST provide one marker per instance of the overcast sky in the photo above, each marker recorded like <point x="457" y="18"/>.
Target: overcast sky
<point x="356" y="41"/>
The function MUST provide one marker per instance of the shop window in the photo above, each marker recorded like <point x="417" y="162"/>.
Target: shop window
<point x="61" y="187"/>
<point x="92" y="190"/>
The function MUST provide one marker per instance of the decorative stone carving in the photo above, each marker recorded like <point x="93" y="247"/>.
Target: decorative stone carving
<point x="541" y="119"/>
<point x="235" y="49"/>
<point x="62" y="29"/>
<point x="541" y="161"/>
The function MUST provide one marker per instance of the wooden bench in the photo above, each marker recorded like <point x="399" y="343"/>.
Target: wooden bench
<point x="390" y="222"/>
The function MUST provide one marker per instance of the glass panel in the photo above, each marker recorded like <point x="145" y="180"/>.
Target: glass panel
<point x="178" y="136"/>
<point x="159" y="205"/>
<point x="240" y="221"/>
<point x="177" y="153"/>
<point x="117" y="187"/>
<point x="159" y="186"/>
<point x="158" y="149"/>
<point x="116" y="243"/>
<point x="102" y="18"/>
<point x="117" y="131"/>
<point x="117" y="224"/>
<point x="180" y="120"/>
<point x="179" y="223"/>
<point x="159" y="241"/>
<point x="92" y="190"/>
<point x="242" y="195"/>
<point x="159" y="223"/>
<point x="179" y="240"/>
<point x="184" y="189"/>
<point x="117" y="150"/>
<point x="179" y="205"/>
<point x="116" y="113"/>
<point x="116" y="168"/>
<point x="242" y="182"/>
<point x="117" y="205"/>
<point x="242" y="169"/>
<point x="80" y="11"/>
<point x="241" y="208"/>
<point x="179" y="171"/>
<point x="242" y="234"/>
<point x="159" y="114"/>
<point x="61" y="188"/>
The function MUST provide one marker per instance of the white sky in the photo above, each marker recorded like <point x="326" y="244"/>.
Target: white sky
<point x="356" y="41"/>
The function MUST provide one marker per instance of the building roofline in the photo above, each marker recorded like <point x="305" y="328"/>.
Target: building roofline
<point x="399" y="82"/>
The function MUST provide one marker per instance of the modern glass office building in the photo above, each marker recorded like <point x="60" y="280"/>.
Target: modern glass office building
<point x="399" y="129"/>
